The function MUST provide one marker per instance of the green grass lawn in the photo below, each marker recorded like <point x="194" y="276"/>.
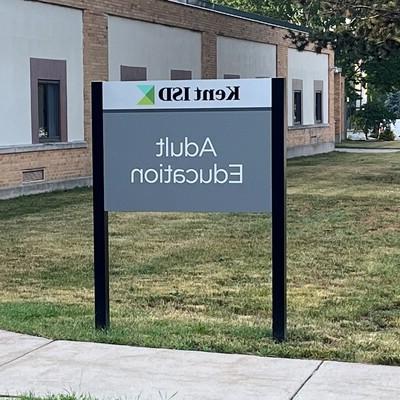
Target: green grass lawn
<point x="54" y="397"/>
<point x="160" y="396"/>
<point x="72" y="396"/>
<point x="370" y="144"/>
<point x="203" y="281"/>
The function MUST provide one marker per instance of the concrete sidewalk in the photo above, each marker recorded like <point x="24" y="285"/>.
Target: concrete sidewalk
<point x="365" y="151"/>
<point x="41" y="366"/>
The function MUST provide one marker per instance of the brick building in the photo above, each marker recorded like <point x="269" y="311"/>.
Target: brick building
<point x="53" y="49"/>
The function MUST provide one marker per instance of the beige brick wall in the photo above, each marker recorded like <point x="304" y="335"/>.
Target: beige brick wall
<point x="57" y="165"/>
<point x="77" y="162"/>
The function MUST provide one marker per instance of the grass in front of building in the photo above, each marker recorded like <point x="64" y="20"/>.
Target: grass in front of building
<point x="370" y="144"/>
<point x="72" y="396"/>
<point x="203" y="281"/>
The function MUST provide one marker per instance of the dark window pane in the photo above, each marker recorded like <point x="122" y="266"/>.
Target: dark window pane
<point x="49" y="111"/>
<point x="318" y="106"/>
<point x="179" y="74"/>
<point x="231" y="76"/>
<point x="297" y="107"/>
<point x="41" y="105"/>
<point x="133" y="73"/>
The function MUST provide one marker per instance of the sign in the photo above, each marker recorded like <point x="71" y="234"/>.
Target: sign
<point x="194" y="146"/>
<point x="178" y="95"/>
<point x="205" y="145"/>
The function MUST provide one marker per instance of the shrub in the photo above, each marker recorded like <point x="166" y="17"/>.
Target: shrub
<point x="387" y="135"/>
<point x="372" y="117"/>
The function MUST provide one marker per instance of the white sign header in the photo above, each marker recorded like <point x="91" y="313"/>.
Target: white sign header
<point x="193" y="94"/>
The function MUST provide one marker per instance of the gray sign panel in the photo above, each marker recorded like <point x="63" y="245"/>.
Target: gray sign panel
<point x="191" y="160"/>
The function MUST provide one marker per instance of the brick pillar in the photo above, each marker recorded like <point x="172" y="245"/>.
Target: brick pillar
<point x="338" y="109"/>
<point x="340" y="112"/>
<point x="95" y="59"/>
<point x="208" y="55"/>
<point x="331" y="90"/>
<point x="344" y="109"/>
<point x="282" y="53"/>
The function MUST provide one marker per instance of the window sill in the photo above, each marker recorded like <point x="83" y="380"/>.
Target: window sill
<point x="42" y="147"/>
<point x="312" y="126"/>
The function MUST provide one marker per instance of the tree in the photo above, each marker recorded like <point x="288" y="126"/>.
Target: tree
<point x="384" y="74"/>
<point x="374" y="25"/>
<point x="375" y="118"/>
<point x="365" y="35"/>
<point x="393" y="104"/>
<point x="360" y="31"/>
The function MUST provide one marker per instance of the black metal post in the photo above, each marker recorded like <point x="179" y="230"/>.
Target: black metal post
<point x="100" y="216"/>
<point x="279" y="302"/>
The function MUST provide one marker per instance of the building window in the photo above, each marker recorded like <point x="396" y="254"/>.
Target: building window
<point x="297" y="107"/>
<point x="48" y="100"/>
<point x="318" y="100"/>
<point x="297" y="86"/>
<point x="133" y="73"/>
<point x="318" y="106"/>
<point x="49" y="111"/>
<point x="179" y="74"/>
<point x="231" y="76"/>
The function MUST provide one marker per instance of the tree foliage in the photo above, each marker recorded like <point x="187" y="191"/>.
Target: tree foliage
<point x="362" y="32"/>
<point x="287" y="10"/>
<point x="393" y="104"/>
<point x="365" y="35"/>
<point x="383" y="75"/>
<point x="373" y="25"/>
<point x="375" y="118"/>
